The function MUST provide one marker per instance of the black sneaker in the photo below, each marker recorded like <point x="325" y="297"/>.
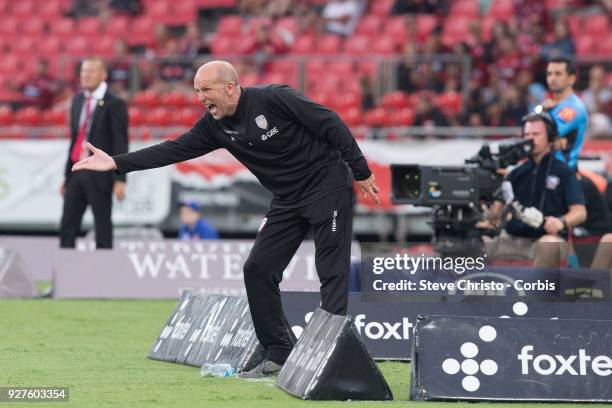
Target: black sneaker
<point x="266" y="368"/>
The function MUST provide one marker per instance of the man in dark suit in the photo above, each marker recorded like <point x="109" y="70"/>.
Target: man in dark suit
<point x="99" y="117"/>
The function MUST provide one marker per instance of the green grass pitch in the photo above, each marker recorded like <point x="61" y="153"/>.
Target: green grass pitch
<point x="99" y="350"/>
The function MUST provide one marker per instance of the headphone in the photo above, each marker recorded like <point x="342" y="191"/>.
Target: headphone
<point x="544" y="116"/>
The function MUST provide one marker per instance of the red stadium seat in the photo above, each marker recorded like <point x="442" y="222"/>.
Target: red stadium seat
<point x="188" y="116"/>
<point x="346" y="100"/>
<point x="33" y="26"/>
<point x="402" y="117"/>
<point x="54" y="117"/>
<point x="322" y="98"/>
<point x="63" y="28"/>
<point x="377" y="117"/>
<point x="286" y="66"/>
<point x="584" y="44"/>
<point x="249" y="79"/>
<point x="78" y="46"/>
<point x="49" y="46"/>
<point x="141" y="31"/>
<point x="465" y="8"/>
<point x="395" y="100"/>
<point x="395" y="28"/>
<point x="370" y="24"/>
<point x="89" y="27"/>
<point x="159" y="10"/>
<point x="274" y="78"/>
<point x="329" y="44"/>
<point x="174" y="99"/>
<point x="289" y="24"/>
<point x="351" y="117"/>
<point x="425" y="23"/>
<point x="596" y="25"/>
<point x="136" y="116"/>
<point x="28" y="116"/>
<point x="501" y="9"/>
<point x="230" y="25"/>
<point x="23" y="9"/>
<point x="117" y="26"/>
<point x="455" y="29"/>
<point x="9" y="26"/>
<point x="147" y="98"/>
<point x="382" y="7"/>
<point x="183" y="12"/>
<point x="223" y="45"/>
<point x="384" y="46"/>
<point x="575" y="22"/>
<point x="10" y="65"/>
<point x="159" y="117"/>
<point x="6" y="115"/>
<point x="357" y="45"/>
<point x="340" y="68"/>
<point x="604" y="49"/>
<point x="304" y="44"/>
<point x="49" y="10"/>
<point x="23" y="46"/>
<point x="316" y="67"/>
<point x="367" y="68"/>
<point x="104" y="46"/>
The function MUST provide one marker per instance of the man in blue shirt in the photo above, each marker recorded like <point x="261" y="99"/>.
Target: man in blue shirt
<point x="568" y="110"/>
<point x="193" y="226"/>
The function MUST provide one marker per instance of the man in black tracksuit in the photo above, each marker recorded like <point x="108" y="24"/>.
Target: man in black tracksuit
<point x="297" y="149"/>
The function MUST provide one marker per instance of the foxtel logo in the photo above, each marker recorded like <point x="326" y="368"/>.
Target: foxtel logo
<point x="384" y="330"/>
<point x="545" y="364"/>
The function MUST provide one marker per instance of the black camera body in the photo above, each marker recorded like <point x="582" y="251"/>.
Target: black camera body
<point x="456" y="193"/>
<point x="460" y="186"/>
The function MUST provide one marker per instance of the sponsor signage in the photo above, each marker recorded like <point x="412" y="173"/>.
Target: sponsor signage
<point x="387" y="327"/>
<point x="209" y="329"/>
<point x="161" y="269"/>
<point x="31" y="173"/>
<point x="330" y="362"/>
<point x="477" y="358"/>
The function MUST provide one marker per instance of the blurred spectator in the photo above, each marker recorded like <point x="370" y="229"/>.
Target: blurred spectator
<point x="159" y="46"/>
<point x="406" y="68"/>
<point x="131" y="7"/>
<point x="341" y="16"/>
<point x="598" y="100"/>
<point x="193" y="42"/>
<point x="532" y="93"/>
<point x="562" y="43"/>
<point x="119" y="69"/>
<point x="427" y="114"/>
<point x="193" y="226"/>
<point x="41" y="88"/>
<point x="419" y="7"/>
<point x="512" y="105"/>
<point x="279" y="8"/>
<point x="84" y="8"/>
<point x="367" y="93"/>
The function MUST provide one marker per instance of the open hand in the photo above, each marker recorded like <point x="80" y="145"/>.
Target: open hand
<point x="99" y="161"/>
<point x="368" y="187"/>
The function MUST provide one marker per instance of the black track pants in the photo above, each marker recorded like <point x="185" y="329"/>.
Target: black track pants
<point x="280" y="235"/>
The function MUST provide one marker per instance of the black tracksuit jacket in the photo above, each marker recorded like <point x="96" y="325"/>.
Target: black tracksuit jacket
<point x="295" y="147"/>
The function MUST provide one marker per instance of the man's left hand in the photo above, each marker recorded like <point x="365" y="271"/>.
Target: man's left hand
<point x="119" y="190"/>
<point x="368" y="187"/>
<point x="553" y="225"/>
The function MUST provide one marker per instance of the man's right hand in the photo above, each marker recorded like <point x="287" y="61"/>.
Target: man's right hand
<point x="99" y="161"/>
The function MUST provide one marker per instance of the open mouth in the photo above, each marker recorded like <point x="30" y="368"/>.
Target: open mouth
<point x="212" y="108"/>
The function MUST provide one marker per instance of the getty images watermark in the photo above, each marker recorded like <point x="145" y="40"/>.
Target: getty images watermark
<point x="436" y="275"/>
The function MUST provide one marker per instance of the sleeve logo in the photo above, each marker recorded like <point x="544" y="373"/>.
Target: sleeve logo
<point x="567" y="114"/>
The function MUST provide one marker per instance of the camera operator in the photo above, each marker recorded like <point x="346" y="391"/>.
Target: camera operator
<point x="545" y="184"/>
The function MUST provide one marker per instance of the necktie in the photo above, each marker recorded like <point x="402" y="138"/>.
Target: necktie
<point x="77" y="149"/>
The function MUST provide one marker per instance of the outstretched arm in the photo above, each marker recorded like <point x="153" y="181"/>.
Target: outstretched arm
<point x="98" y="161"/>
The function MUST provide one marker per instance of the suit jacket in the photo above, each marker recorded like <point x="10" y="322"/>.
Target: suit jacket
<point x="108" y="131"/>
